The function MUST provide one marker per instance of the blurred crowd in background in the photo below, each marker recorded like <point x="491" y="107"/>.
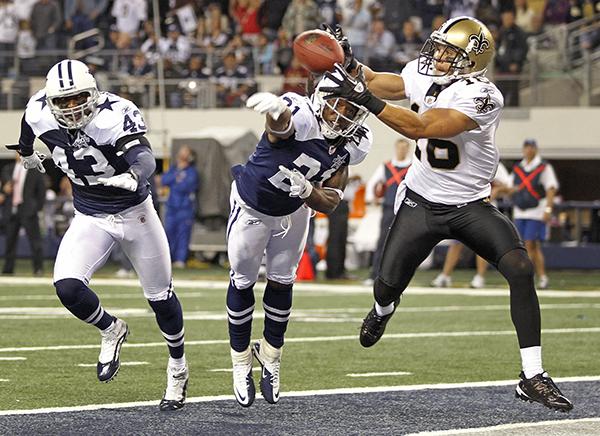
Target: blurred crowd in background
<point x="224" y="45"/>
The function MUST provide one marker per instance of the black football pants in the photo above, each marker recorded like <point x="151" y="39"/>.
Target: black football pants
<point x="418" y="227"/>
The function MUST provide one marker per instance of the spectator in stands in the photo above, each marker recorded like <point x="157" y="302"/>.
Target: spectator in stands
<point x="270" y="16"/>
<point x="264" y="54"/>
<point x="459" y="8"/>
<point x="488" y="11"/>
<point x="81" y="15"/>
<point x="215" y="36"/>
<point x="182" y="180"/>
<point x="175" y="46"/>
<point x="242" y="50"/>
<point x="283" y="50"/>
<point x="26" y="48"/>
<point x="24" y="195"/>
<point x="129" y="14"/>
<point x="245" y="14"/>
<point x="556" y="12"/>
<point x="410" y="44"/>
<point x="356" y="21"/>
<point x="428" y="11"/>
<point x="396" y="14"/>
<point x="232" y="82"/>
<point x="24" y="8"/>
<point x="328" y="9"/>
<point x="64" y="210"/>
<point x="511" y="53"/>
<point x="196" y="68"/>
<point x="301" y="15"/>
<point x="382" y="187"/>
<point x="295" y="78"/>
<point x="150" y="48"/>
<point x="45" y="21"/>
<point x="380" y="47"/>
<point x="534" y="187"/>
<point x="524" y="15"/>
<point x="8" y="34"/>
<point x="140" y="67"/>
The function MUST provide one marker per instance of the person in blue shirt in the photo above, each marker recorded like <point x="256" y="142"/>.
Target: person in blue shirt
<point x="182" y="180"/>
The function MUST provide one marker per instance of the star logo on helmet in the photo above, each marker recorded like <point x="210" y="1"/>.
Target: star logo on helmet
<point x="479" y="43"/>
<point x="42" y="100"/>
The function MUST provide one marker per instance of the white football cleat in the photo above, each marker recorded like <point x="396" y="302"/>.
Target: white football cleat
<point x="177" y="382"/>
<point x="112" y="341"/>
<point x="269" y="358"/>
<point x="243" y="383"/>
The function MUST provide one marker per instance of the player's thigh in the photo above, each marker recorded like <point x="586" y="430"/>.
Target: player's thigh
<point x="486" y="231"/>
<point x="84" y="248"/>
<point x="284" y="251"/>
<point x="247" y="238"/>
<point x="145" y="244"/>
<point x="409" y="241"/>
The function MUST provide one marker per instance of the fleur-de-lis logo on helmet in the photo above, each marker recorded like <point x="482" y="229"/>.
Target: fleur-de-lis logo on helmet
<point x="479" y="43"/>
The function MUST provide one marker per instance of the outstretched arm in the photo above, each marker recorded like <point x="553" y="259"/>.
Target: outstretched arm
<point x="279" y="117"/>
<point x="388" y="86"/>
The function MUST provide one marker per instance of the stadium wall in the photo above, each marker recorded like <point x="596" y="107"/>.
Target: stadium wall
<point x="562" y="133"/>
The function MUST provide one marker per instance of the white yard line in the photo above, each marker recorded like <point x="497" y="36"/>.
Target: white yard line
<point x="503" y="427"/>
<point x="87" y="365"/>
<point x="314" y="339"/>
<point x="324" y="288"/>
<point x="339" y="391"/>
<point x="255" y="369"/>
<point x="13" y="358"/>
<point x="378" y="374"/>
<point x="3" y="380"/>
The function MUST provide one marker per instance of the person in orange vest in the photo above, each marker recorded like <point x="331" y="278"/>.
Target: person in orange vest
<point x="382" y="187"/>
<point x="534" y="185"/>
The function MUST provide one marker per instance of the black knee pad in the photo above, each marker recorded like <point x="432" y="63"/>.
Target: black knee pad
<point x="68" y="290"/>
<point x="384" y="293"/>
<point x="279" y="287"/>
<point x="516" y="265"/>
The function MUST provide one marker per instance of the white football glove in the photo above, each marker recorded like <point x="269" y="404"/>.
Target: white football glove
<point x="300" y="187"/>
<point x="124" y="181"/>
<point x="34" y="161"/>
<point x="266" y="103"/>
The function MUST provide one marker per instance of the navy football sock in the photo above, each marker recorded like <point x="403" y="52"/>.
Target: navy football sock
<point x="82" y="302"/>
<point x="277" y="303"/>
<point x="169" y="317"/>
<point x="240" y="307"/>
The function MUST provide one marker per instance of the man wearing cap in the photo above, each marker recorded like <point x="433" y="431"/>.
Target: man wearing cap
<point x="534" y="187"/>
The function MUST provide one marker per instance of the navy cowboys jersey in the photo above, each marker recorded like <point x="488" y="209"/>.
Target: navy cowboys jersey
<point x="90" y="153"/>
<point x="261" y="184"/>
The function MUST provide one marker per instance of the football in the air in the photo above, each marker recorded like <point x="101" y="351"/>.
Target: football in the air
<point x="317" y="51"/>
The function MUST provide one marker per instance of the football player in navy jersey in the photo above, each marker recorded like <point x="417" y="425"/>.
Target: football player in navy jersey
<point x="300" y="163"/>
<point x="97" y="139"/>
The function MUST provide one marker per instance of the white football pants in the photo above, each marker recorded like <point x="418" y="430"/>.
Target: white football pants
<point x="250" y="234"/>
<point x="89" y="240"/>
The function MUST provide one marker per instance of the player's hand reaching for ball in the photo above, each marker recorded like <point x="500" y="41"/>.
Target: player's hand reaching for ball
<point x="267" y="103"/>
<point x="350" y="63"/>
<point x="352" y="89"/>
<point x="300" y="187"/>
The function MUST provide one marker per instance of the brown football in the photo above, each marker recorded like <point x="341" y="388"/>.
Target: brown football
<point x="318" y="51"/>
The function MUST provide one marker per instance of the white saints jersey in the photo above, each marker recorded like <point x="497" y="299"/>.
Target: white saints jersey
<point x="458" y="169"/>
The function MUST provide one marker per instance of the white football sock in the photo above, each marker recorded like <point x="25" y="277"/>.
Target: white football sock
<point x="531" y="358"/>
<point x="177" y="363"/>
<point x="384" y="310"/>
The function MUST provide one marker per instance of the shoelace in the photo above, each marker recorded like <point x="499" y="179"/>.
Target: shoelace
<point x="240" y="372"/>
<point x="273" y="368"/>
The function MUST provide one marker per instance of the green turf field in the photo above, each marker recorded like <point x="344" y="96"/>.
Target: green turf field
<point x="483" y="346"/>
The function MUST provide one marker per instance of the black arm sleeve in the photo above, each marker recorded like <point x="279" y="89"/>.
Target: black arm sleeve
<point x="26" y="139"/>
<point x="139" y="157"/>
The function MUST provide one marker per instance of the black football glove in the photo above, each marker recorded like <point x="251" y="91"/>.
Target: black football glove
<point x="352" y="89"/>
<point x="350" y="62"/>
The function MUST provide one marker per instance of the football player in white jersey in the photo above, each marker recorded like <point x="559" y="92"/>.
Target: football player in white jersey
<point x="300" y="163"/>
<point x="97" y="139"/>
<point x="454" y="117"/>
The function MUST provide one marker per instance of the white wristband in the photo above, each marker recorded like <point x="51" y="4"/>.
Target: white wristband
<point x="308" y="188"/>
<point x="336" y="190"/>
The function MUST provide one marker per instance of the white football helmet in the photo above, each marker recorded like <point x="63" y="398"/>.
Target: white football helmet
<point x="72" y="94"/>
<point x="337" y="116"/>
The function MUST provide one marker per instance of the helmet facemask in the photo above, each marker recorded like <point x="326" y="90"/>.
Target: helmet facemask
<point x="74" y="110"/>
<point x="444" y="61"/>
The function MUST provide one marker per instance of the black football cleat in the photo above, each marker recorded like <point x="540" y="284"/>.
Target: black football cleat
<point x="541" y="389"/>
<point x="112" y="341"/>
<point x="177" y="383"/>
<point x="373" y="326"/>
